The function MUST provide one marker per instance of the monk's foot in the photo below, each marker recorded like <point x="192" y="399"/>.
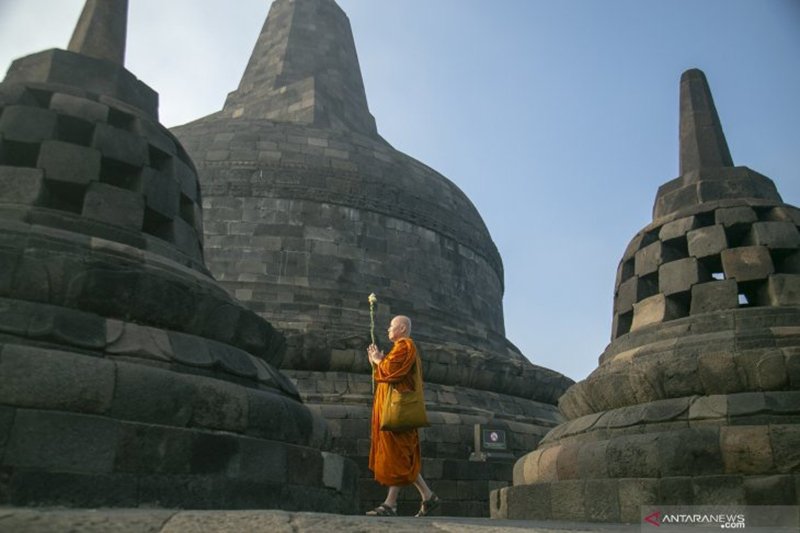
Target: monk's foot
<point x="382" y="510"/>
<point x="429" y="505"/>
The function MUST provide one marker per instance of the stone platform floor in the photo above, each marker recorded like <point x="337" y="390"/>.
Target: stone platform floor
<point x="45" y="520"/>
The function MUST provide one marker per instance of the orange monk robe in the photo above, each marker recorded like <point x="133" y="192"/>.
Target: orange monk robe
<point x="394" y="456"/>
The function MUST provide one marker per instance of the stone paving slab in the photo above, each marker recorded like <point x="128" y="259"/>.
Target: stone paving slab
<point x="25" y="520"/>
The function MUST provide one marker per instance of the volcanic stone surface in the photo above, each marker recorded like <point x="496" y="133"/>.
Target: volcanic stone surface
<point x="129" y="376"/>
<point x="697" y="398"/>
<point x="308" y="210"/>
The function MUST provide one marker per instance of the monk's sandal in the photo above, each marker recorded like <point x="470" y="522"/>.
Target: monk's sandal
<point x="382" y="510"/>
<point x="429" y="505"/>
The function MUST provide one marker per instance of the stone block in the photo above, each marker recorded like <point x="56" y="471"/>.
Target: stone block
<point x="732" y="216"/>
<point x="633" y="246"/>
<point x="709" y="407"/>
<point x="785" y="441"/>
<point x="735" y="187"/>
<point x="679" y="276"/>
<point x="783" y="401"/>
<point x="746" y="404"/>
<point x="781" y="290"/>
<point x="677" y="228"/>
<point x="77" y="490"/>
<point x="153" y="395"/>
<point x="333" y="470"/>
<point x="82" y="108"/>
<point x="655" y="310"/>
<point x="112" y="205"/>
<point x="190" y="349"/>
<point x="547" y="465"/>
<point x="718" y="490"/>
<point x="770" y="490"/>
<point x="747" y="263"/>
<point x="120" y="145"/>
<point x="50" y="379"/>
<point x="602" y="500"/>
<point x="69" y="163"/>
<point x="185" y="238"/>
<point x="690" y="451"/>
<point x="771" y="372"/>
<point x="58" y="441"/>
<point x="649" y="258"/>
<point x="68" y="326"/>
<point x="127" y="338"/>
<point x="161" y="193"/>
<point x="263" y="461"/>
<point x="632" y="291"/>
<point x="567" y="500"/>
<point x="774" y="235"/>
<point x="233" y="360"/>
<point x="568" y="462"/>
<point x="269" y="415"/>
<point x="714" y="296"/>
<point x="304" y="466"/>
<point x="213" y="453"/>
<point x="633" y="494"/>
<point x="219" y="405"/>
<point x="707" y="241"/>
<point x="153" y="449"/>
<point x="27" y="124"/>
<point x="675" y="491"/>
<point x="633" y="456"/>
<point x="718" y="373"/>
<point x="187" y="179"/>
<point x="19" y="185"/>
<point x="746" y="449"/>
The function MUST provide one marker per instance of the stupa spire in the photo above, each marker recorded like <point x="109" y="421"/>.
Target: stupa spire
<point x="702" y="142"/>
<point x="304" y="68"/>
<point x="101" y="30"/>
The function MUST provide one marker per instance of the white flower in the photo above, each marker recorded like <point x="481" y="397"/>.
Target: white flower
<point x="372" y="299"/>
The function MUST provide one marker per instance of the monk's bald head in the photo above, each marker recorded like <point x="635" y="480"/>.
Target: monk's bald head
<point x="399" y="327"/>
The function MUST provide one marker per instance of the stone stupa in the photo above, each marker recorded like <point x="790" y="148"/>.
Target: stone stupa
<point x="697" y="398"/>
<point x="308" y="211"/>
<point x="129" y="376"/>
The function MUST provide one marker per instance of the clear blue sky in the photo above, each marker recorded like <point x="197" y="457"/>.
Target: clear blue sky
<point x="558" y="118"/>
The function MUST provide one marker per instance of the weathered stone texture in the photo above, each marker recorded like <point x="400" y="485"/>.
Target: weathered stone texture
<point x="696" y="399"/>
<point x="307" y="210"/>
<point x="130" y="377"/>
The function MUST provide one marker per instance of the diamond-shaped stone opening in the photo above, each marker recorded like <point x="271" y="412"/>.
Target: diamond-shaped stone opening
<point x="737" y="235"/>
<point x="157" y="225"/>
<point x="74" y="130"/>
<point x="64" y="196"/>
<point x="37" y="97"/>
<point x="627" y="270"/>
<point x="679" y="305"/>
<point x="786" y="261"/>
<point x="19" y="154"/>
<point x="187" y="210"/>
<point x="120" y="174"/>
<point x="159" y="160"/>
<point x="750" y="293"/>
<point x="712" y="265"/>
<point x="120" y="119"/>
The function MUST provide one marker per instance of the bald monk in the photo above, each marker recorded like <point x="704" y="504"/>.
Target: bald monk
<point x="394" y="456"/>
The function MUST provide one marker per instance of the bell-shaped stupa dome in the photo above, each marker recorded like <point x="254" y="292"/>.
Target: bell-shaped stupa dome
<point x="130" y="377"/>
<point x="308" y="211"/>
<point x="696" y="398"/>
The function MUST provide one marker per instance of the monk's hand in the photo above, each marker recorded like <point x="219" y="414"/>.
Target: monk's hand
<point x="375" y="355"/>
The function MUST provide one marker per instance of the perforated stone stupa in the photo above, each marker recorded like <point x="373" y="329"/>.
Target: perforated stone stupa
<point x="308" y="210"/>
<point x="129" y="376"/>
<point x="697" y="398"/>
